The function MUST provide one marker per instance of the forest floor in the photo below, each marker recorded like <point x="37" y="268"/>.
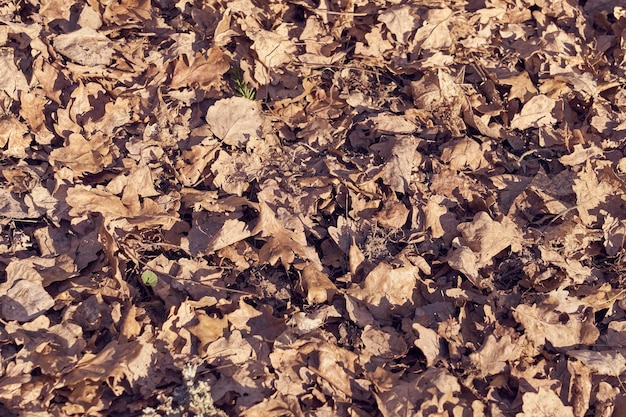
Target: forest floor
<point x="300" y="208"/>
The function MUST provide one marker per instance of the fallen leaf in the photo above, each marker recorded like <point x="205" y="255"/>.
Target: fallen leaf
<point x="537" y="112"/>
<point x="316" y="285"/>
<point x="235" y="120"/>
<point x="85" y="46"/>
<point x="544" y="404"/>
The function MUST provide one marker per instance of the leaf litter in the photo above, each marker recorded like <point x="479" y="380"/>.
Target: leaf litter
<point x="419" y="212"/>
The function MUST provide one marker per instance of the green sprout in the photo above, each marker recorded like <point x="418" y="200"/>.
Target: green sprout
<point x="242" y="88"/>
<point x="149" y="278"/>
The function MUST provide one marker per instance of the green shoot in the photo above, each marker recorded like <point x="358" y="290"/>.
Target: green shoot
<point x="242" y="88"/>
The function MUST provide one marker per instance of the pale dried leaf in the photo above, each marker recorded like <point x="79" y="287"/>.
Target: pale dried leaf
<point x="608" y="363"/>
<point x="85" y="46"/>
<point x="235" y="120"/>
<point x="544" y="404"/>
<point x="536" y="113"/>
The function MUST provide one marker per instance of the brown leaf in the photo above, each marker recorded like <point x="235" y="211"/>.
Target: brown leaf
<point x="204" y="72"/>
<point x="316" y="285"/>
<point x="536" y="113"/>
<point x="235" y="120"/>
<point x="85" y="46"/>
<point x="207" y="329"/>
<point x="542" y="323"/>
<point x="544" y="403"/>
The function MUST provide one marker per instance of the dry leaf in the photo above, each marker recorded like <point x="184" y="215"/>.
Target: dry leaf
<point x="316" y="285"/>
<point x="544" y="404"/>
<point x="236" y="120"/>
<point x="543" y="324"/>
<point x="85" y="46"/>
<point x="537" y="112"/>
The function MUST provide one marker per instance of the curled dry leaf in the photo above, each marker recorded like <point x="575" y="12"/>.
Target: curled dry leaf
<point x="316" y="285"/>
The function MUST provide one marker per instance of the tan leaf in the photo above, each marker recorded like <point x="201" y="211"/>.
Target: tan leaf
<point x="235" y="120"/>
<point x="400" y="21"/>
<point x="12" y="80"/>
<point x="207" y="329"/>
<point x="487" y="237"/>
<point x="429" y="342"/>
<point x="607" y="363"/>
<point x="282" y="244"/>
<point x="272" y="47"/>
<point x="544" y="403"/>
<point x="232" y="349"/>
<point x="393" y="214"/>
<point x="580" y="155"/>
<point x="581" y="386"/>
<point x="536" y="113"/>
<point x="464" y="154"/>
<point x="355" y="258"/>
<point x="85" y="46"/>
<point x="204" y="72"/>
<point x="130" y="13"/>
<point x="590" y="192"/>
<point x="376" y="44"/>
<point x="303" y="323"/>
<point x="130" y="326"/>
<point x="24" y="297"/>
<point x="316" y="285"/>
<point x="466" y="261"/>
<point x="25" y="300"/>
<point x="434" y="210"/>
<point x="384" y="343"/>
<point x="494" y="355"/>
<point x="83" y="155"/>
<point x="434" y="33"/>
<point x="543" y="323"/>
<point x="114" y="362"/>
<point x="15" y="134"/>
<point x="387" y="289"/>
